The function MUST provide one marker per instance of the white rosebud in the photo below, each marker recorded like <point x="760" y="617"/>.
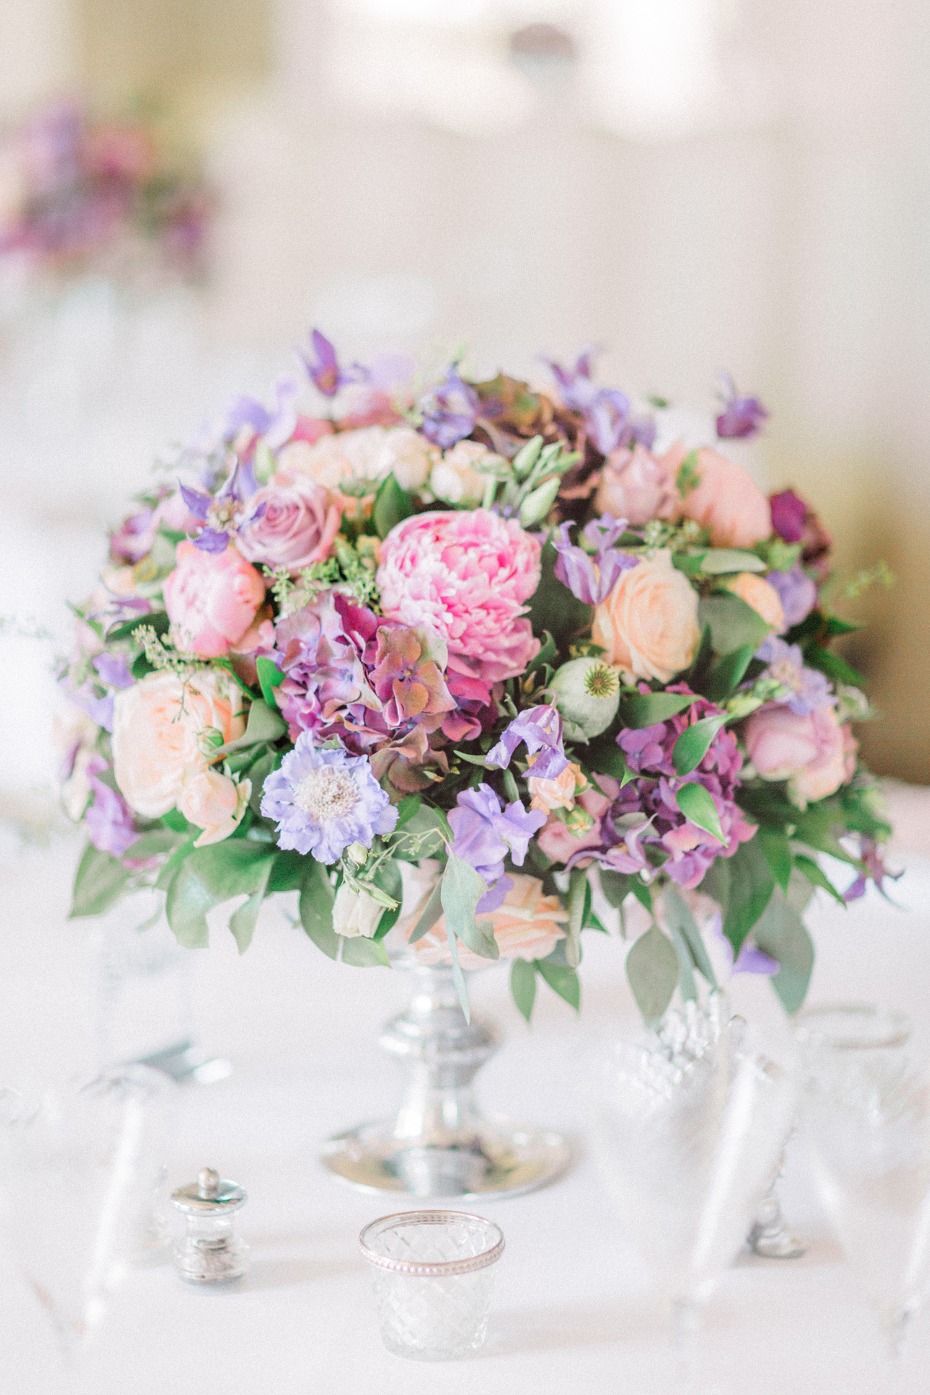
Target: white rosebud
<point x="587" y="694"/>
<point x="355" y="913"/>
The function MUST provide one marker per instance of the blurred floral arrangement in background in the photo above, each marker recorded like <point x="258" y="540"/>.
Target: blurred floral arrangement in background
<point x="472" y="668"/>
<point x="86" y="194"/>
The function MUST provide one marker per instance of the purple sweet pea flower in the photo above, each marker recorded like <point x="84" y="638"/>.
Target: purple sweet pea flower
<point x="484" y="832"/>
<point x="324" y="800"/>
<point x="540" y="729"/>
<point x="874" y="869"/>
<point x="114" y="670"/>
<point x="450" y="410"/>
<point x="606" y="411"/>
<point x="741" y="417"/>
<point x="807" y="689"/>
<point x="322" y="365"/>
<point x="590" y="576"/>
<point x="108" y="818"/>
<point x="607" y="418"/>
<point x="575" y="383"/>
<point x="797" y="593"/>
<point x="133" y="539"/>
<point x="98" y="709"/>
<point x="789" y="515"/>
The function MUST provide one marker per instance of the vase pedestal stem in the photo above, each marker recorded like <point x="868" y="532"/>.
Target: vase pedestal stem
<point x="439" y="1144"/>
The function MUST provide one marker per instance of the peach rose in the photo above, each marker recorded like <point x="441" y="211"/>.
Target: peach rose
<point x="648" y="624"/>
<point x="527" y="925"/>
<point x="558" y="793"/>
<point x="637" y="486"/>
<point x="760" y="595"/>
<point x="211" y="599"/>
<point x="214" y="803"/>
<point x="158" y="724"/>
<point x="813" y="751"/>
<point x="726" y="499"/>
<point x="367" y="453"/>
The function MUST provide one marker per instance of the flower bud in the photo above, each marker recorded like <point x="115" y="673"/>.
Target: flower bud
<point x="355" y="913"/>
<point x="587" y="694"/>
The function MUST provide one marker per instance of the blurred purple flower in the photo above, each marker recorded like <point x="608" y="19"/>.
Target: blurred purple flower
<point x="98" y="709"/>
<point x="789" y="515"/>
<point x="324" y="800"/>
<point x="133" y="539"/>
<point x="606" y="411"/>
<point x="591" y="575"/>
<point x="540" y="730"/>
<point x="484" y="833"/>
<point x="108" y="817"/>
<point x="873" y="869"/>
<point x="114" y="670"/>
<point x="219" y="514"/>
<point x="575" y="384"/>
<point x="807" y="689"/>
<point x="322" y="365"/>
<point x="797" y="593"/>
<point x="450" y="410"/>
<point x="741" y="417"/>
<point x="750" y="960"/>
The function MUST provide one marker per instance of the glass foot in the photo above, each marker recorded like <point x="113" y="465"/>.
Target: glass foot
<point x="185" y="1062"/>
<point x="499" y="1159"/>
<point x="770" y="1237"/>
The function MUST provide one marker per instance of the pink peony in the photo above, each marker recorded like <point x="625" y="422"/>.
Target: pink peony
<point x="813" y="751"/>
<point x="291" y="523"/>
<point x="211" y="599"/>
<point x="636" y="486"/>
<point x="725" y="500"/>
<point x="467" y="575"/>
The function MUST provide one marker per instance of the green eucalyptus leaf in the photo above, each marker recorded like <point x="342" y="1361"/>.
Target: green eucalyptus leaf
<point x="562" y="979"/>
<point x="615" y="887"/>
<point x="523" y="986"/>
<point x="269" y="678"/>
<point x="243" y="920"/>
<point x="694" y="743"/>
<point x="392" y="505"/>
<point x="733" y="624"/>
<point x="774" y="843"/>
<point x="646" y="709"/>
<point x="99" y="882"/>
<point x="461" y="888"/>
<point x="781" y="933"/>
<point x="652" y="968"/>
<point x="209" y="876"/>
<point x="817" y="876"/>
<point x="698" y="807"/>
<point x="316" y="908"/>
<point x="686" y="984"/>
<point x="751" y="882"/>
<point x="680" y="921"/>
<point x="720" y="560"/>
<point x="579" y="897"/>
<point x="728" y="673"/>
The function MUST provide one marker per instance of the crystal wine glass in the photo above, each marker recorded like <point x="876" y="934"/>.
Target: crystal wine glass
<point x="688" y="1125"/>
<point x="867" y="1110"/>
<point x="76" y="1178"/>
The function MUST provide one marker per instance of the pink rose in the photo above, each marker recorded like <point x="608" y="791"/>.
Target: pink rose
<point x="648" y="623"/>
<point x="559" y="842"/>
<point x="214" y="803"/>
<point x="291" y="523"/>
<point x="211" y="599"/>
<point x="159" y="726"/>
<point x="527" y="925"/>
<point x="725" y="500"/>
<point x="467" y="575"/>
<point x="813" y="751"/>
<point x="636" y="486"/>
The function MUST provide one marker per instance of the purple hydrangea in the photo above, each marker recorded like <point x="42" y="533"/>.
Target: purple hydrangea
<point x="797" y="593"/>
<point x="590" y="574"/>
<point x="540" y="730"/>
<point x="485" y="832"/>
<point x="806" y="689"/>
<point x="450" y="410"/>
<point x="688" y="850"/>
<point x="323" y="800"/>
<point x="741" y="417"/>
<point x="320" y="648"/>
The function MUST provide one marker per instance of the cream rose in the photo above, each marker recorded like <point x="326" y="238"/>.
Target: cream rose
<point x="367" y="453"/>
<point x="157" y="726"/>
<point x="648" y="624"/>
<point x="455" y="479"/>
<point x="558" y="793"/>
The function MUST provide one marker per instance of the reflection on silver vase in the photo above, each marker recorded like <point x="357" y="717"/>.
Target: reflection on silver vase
<point x="439" y="1144"/>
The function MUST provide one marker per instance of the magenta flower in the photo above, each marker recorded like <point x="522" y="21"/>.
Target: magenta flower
<point x="408" y="674"/>
<point x="540" y="730"/>
<point x="741" y="417"/>
<point x="591" y="575"/>
<point x="789" y="515"/>
<point x="450" y="410"/>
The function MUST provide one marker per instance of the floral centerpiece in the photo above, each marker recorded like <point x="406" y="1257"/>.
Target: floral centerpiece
<point x="466" y="664"/>
<point x="86" y="191"/>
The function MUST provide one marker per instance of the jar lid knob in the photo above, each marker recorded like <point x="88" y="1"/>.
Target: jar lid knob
<point x="208" y="1183"/>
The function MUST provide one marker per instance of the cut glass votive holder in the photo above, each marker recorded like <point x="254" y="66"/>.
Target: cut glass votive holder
<point x="433" y="1274"/>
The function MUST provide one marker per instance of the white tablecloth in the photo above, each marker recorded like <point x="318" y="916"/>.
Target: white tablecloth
<point x="572" y="1310"/>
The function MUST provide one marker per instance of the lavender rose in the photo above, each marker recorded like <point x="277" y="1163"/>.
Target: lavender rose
<point x="291" y="523"/>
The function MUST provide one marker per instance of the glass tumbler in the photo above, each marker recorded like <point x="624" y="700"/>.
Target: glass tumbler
<point x="433" y="1273"/>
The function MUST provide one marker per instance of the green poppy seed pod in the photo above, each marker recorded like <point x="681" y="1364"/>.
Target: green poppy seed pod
<point x="587" y="694"/>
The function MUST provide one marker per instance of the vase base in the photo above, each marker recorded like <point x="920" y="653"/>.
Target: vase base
<point x="184" y="1062"/>
<point x="500" y="1159"/>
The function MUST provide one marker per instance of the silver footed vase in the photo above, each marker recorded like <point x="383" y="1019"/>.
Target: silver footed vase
<point x="439" y="1143"/>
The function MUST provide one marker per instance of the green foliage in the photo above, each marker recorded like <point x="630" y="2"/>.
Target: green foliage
<point x="652" y="968"/>
<point x="696" y="804"/>
<point x="578" y="903"/>
<point x="461" y="888"/>
<point x="523" y="986"/>
<point x="681" y="922"/>
<point x="99" y="882"/>
<point x="646" y="709"/>
<point x="780" y="932"/>
<point x="562" y="980"/>
<point x="727" y="673"/>
<point x="733" y="624"/>
<point x="694" y="743"/>
<point x="750" y="884"/>
<point x="719" y="561"/>
<point x="553" y="607"/>
<point x="269" y="678"/>
<point x="209" y="876"/>
<point x="392" y="505"/>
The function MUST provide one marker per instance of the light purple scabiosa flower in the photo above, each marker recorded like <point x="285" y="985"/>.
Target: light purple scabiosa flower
<point x="806" y="689"/>
<point x="540" y="730"/>
<point x="797" y="593"/>
<point x="484" y="833"/>
<point x="450" y="410"/>
<point x="590" y="573"/>
<point x="688" y="850"/>
<point x="219" y="514"/>
<point x="323" y="800"/>
<point x="741" y="417"/>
